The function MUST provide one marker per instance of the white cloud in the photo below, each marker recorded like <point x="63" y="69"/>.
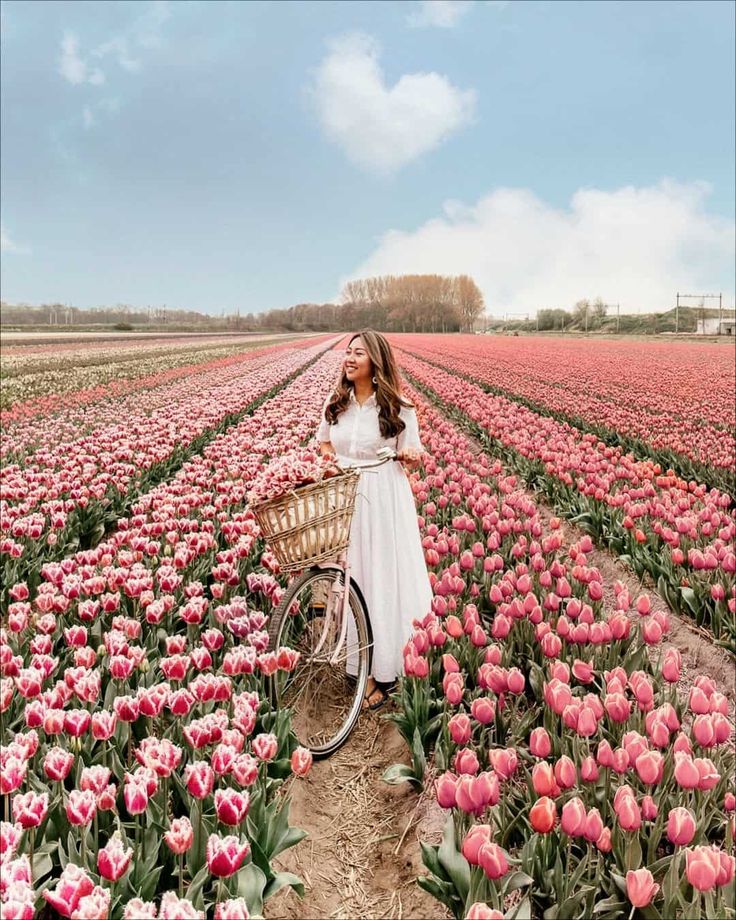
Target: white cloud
<point x="74" y="68"/>
<point x="634" y="246"/>
<point x="444" y="14"/>
<point x="87" y="117"/>
<point x="380" y="127"/>
<point x="147" y="29"/>
<point x="144" y="32"/>
<point x="9" y="245"/>
<point x="119" y="47"/>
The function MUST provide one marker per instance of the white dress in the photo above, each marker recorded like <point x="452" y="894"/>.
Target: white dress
<point x="385" y="552"/>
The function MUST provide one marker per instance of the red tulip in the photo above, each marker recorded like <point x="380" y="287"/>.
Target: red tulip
<point x="542" y="815"/>
<point x="113" y="859"/>
<point x="231" y="806"/>
<point x="225" y="855"/>
<point x="30" y="808"/>
<point x="57" y="763"/>
<point x="265" y="746"/>
<point x="200" y="779"/>
<point x="81" y="807"/>
<point x="73" y="885"/>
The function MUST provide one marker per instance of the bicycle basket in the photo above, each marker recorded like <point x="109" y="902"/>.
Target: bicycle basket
<point x="310" y="524"/>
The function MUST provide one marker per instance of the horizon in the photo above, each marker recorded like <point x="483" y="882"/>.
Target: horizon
<point x="256" y="156"/>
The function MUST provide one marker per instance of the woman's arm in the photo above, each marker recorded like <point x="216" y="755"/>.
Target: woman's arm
<point x="326" y="449"/>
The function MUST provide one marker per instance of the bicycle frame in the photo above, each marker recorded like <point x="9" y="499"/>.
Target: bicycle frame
<point x="339" y="598"/>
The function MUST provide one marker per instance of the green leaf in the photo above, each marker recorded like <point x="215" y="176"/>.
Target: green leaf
<point x="429" y="856"/>
<point x="280" y="880"/>
<point x="194" y="892"/>
<point x="517" y="880"/>
<point x="453" y="862"/>
<point x="522" y="911"/>
<point x="150" y="881"/>
<point x="251" y="885"/>
<point x="398" y="773"/>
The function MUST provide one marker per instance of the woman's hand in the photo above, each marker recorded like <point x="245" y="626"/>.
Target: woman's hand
<point x="327" y="450"/>
<point x="411" y="458"/>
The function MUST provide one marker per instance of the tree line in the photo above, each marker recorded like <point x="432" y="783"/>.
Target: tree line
<point x="391" y="303"/>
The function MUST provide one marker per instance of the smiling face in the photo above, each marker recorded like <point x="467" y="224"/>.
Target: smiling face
<point x="357" y="365"/>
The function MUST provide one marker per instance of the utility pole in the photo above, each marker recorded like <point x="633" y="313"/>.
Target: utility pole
<point x="618" y="317"/>
<point x="677" y="314"/>
<point x="720" y="312"/>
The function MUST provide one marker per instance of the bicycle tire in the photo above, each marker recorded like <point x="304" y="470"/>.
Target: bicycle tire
<point x="350" y="696"/>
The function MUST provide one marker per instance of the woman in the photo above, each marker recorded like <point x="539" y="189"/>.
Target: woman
<point x="366" y="412"/>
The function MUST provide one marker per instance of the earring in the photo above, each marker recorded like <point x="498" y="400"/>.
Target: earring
<point x="375" y="381"/>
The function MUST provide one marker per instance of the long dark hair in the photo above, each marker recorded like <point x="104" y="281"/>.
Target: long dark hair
<point x="388" y="385"/>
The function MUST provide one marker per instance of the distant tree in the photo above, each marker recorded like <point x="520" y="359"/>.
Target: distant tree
<point x="550" y="320"/>
<point x="599" y="310"/>
<point x="469" y="300"/>
<point x="581" y="313"/>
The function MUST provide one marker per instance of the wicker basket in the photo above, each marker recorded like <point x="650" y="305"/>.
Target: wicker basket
<point x="310" y="524"/>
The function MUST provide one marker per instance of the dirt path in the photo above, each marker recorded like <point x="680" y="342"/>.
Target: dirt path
<point x="360" y="860"/>
<point x="362" y="855"/>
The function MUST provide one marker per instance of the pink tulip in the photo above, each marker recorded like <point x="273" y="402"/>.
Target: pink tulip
<point x="540" y="744"/>
<point x="650" y="767"/>
<point x="640" y="886"/>
<point x="702" y="867"/>
<point x="446" y="786"/>
<point x="680" y="826"/>
<point x="478" y="835"/>
<point x="483" y="710"/>
<point x="301" y="761"/>
<point x="232" y="909"/>
<point x="543" y="780"/>
<point x="593" y="825"/>
<point x="565" y="772"/>
<point x="265" y="746"/>
<point x="573" y="817"/>
<point x="460" y="728"/>
<point x="492" y="860"/>
<point x="180" y="835"/>
<point x="649" y="808"/>
<point x="481" y="911"/>
<point x="466" y="761"/>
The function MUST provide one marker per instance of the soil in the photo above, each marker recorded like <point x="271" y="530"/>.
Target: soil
<point x="362" y="856"/>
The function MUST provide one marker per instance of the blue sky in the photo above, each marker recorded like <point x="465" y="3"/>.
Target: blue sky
<point x="249" y="154"/>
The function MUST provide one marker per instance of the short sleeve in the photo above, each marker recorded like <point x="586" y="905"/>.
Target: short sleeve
<point x="409" y="438"/>
<point x="323" y="432"/>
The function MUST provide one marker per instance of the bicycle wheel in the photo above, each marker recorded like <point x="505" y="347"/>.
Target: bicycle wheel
<point x="325" y="696"/>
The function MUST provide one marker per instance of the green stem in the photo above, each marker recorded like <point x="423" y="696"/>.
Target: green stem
<point x="181" y="875"/>
<point x="33" y="842"/>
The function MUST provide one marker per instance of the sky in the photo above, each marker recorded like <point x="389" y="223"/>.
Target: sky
<point x="249" y="155"/>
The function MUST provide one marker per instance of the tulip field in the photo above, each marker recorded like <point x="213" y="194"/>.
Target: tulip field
<point x="580" y="770"/>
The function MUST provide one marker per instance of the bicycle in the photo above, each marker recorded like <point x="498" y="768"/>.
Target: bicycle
<point x="325" y="618"/>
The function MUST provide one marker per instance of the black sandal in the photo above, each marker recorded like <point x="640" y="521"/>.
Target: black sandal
<point x="385" y="691"/>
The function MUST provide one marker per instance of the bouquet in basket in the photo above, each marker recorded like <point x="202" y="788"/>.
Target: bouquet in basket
<point x="299" y="467"/>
